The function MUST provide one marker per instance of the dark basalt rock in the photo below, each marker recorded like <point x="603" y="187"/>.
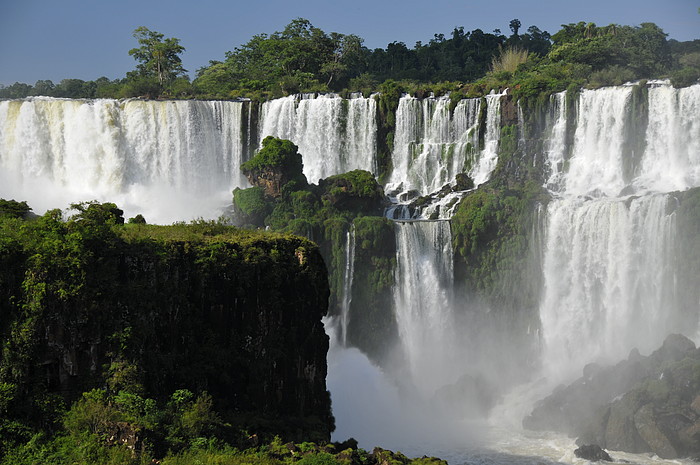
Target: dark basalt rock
<point x="592" y="452"/>
<point x="641" y="405"/>
<point x="463" y="182"/>
<point x="239" y="317"/>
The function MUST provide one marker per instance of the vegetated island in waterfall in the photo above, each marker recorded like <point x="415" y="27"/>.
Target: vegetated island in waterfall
<point x="132" y="342"/>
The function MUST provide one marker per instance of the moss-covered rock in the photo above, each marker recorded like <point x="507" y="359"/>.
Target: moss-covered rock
<point x="356" y="190"/>
<point x="250" y="206"/>
<point x="201" y="306"/>
<point x="276" y="163"/>
<point x="372" y="322"/>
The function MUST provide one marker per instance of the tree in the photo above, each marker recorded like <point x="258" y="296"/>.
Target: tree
<point x="43" y="87"/>
<point x="514" y="26"/>
<point x="157" y="56"/>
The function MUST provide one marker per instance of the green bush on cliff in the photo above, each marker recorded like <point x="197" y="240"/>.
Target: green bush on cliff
<point x="252" y="203"/>
<point x="323" y="213"/>
<point x="373" y="281"/>
<point x="356" y="190"/>
<point x="491" y="231"/>
<point x="276" y="154"/>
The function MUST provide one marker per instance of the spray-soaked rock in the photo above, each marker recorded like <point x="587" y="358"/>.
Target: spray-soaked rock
<point x="642" y="404"/>
<point x="592" y="452"/>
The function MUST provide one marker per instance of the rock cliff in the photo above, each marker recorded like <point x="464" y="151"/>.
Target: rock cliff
<point x="185" y="307"/>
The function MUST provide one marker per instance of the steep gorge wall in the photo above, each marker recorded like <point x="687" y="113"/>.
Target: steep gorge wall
<point x="237" y="315"/>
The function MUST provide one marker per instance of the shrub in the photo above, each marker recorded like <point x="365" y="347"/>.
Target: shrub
<point x="509" y="59"/>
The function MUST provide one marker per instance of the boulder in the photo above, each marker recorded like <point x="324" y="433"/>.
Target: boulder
<point x="593" y="453"/>
<point x="463" y="182"/>
<point x="675" y="348"/>
<point x="648" y="429"/>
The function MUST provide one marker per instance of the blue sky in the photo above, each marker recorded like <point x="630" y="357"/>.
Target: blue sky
<point x="86" y="39"/>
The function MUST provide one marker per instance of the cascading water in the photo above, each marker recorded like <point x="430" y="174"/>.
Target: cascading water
<point x="596" y="165"/>
<point x="423" y="302"/>
<point x="334" y="135"/>
<point x="610" y="257"/>
<point x="432" y="144"/>
<point x="347" y="283"/>
<point x="489" y="156"/>
<point x="556" y="143"/>
<point x="608" y="279"/>
<point x="672" y="154"/>
<point x="167" y="160"/>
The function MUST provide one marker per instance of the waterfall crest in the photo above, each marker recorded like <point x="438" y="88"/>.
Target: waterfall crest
<point x="167" y="160"/>
<point x="334" y="135"/>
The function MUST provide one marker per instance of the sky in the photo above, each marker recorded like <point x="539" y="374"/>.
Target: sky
<point x="87" y="39"/>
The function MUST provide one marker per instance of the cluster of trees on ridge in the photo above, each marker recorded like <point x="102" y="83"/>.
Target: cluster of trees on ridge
<point x="304" y="58"/>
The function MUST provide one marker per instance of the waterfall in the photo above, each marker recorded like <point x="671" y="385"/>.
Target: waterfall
<point x="671" y="158"/>
<point x="596" y="165"/>
<point x="347" y="283"/>
<point x="432" y="145"/>
<point x="167" y="160"/>
<point x="334" y="135"/>
<point x="423" y="302"/>
<point x="556" y="141"/>
<point x="610" y="259"/>
<point x="609" y="283"/>
<point x="489" y="155"/>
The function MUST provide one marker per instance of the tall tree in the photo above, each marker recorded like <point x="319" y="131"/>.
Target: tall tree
<point x="158" y="56"/>
<point x="515" y="26"/>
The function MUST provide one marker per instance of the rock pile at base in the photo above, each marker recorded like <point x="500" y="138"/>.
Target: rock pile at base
<point x="642" y="404"/>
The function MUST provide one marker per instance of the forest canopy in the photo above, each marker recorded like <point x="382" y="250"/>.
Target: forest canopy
<point x="304" y="58"/>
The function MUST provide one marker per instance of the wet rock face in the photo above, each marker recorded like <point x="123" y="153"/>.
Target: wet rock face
<point x="592" y="452"/>
<point x="642" y="404"/>
<point x="240" y="319"/>
<point x="270" y="179"/>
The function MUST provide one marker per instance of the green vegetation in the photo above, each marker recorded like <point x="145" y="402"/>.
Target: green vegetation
<point x="157" y="57"/>
<point x="375" y="264"/>
<point x="283" y="200"/>
<point x="14" y="209"/>
<point x="325" y="213"/>
<point x="276" y="163"/>
<point x="123" y="343"/>
<point x="304" y="58"/>
<point x="508" y="60"/>
<point x="492" y="232"/>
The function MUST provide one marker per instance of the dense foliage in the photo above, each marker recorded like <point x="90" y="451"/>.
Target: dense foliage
<point x="304" y="58"/>
<point x="278" y="161"/>
<point x="127" y="342"/>
<point x="326" y="213"/>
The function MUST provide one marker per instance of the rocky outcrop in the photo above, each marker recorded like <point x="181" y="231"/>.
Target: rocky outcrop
<point x="356" y="191"/>
<point x="642" y="404"/>
<point x="593" y="453"/>
<point x="236" y="314"/>
<point x="277" y="163"/>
